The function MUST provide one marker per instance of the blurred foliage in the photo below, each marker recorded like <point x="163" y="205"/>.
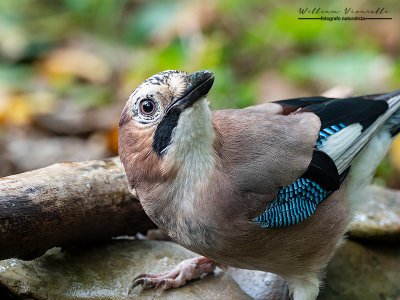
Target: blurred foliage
<point x="93" y="53"/>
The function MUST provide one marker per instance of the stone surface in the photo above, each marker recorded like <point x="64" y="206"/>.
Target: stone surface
<point x="260" y="285"/>
<point x="358" y="271"/>
<point x="362" y="271"/>
<point x="377" y="216"/>
<point x="106" y="272"/>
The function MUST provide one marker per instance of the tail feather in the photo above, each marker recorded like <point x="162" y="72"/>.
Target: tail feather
<point x="390" y="98"/>
<point x="364" y="166"/>
<point x="393" y="125"/>
<point x="388" y="122"/>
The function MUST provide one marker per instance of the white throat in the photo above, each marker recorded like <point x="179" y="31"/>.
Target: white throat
<point x="191" y="152"/>
<point x="191" y="149"/>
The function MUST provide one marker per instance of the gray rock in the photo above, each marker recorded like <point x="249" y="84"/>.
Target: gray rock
<point x="377" y="216"/>
<point x="260" y="285"/>
<point x="366" y="272"/>
<point x="357" y="271"/>
<point x="106" y="272"/>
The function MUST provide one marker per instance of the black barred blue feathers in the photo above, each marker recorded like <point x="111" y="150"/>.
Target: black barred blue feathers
<point x="326" y="132"/>
<point x="293" y="204"/>
<point x="298" y="201"/>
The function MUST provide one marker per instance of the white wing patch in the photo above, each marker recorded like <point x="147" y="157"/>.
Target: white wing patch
<point x="346" y="159"/>
<point x="338" y="143"/>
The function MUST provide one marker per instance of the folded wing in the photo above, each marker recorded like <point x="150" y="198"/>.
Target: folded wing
<point x="346" y="127"/>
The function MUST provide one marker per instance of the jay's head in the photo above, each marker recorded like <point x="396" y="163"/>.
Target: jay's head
<point x="166" y="122"/>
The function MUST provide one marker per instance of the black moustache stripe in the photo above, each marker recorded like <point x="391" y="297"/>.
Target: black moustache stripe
<point x="163" y="134"/>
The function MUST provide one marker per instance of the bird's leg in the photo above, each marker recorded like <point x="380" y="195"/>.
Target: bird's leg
<point x="187" y="270"/>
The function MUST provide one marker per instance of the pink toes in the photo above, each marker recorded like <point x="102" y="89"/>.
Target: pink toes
<point x="187" y="270"/>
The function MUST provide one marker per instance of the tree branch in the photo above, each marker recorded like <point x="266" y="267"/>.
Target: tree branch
<point x="66" y="203"/>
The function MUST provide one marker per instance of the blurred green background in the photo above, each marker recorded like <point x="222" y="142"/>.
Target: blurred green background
<point x="67" y="67"/>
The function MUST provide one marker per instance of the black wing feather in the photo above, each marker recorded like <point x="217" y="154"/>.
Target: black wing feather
<point x="332" y="111"/>
<point x="323" y="170"/>
<point x="348" y="111"/>
<point x="303" y="102"/>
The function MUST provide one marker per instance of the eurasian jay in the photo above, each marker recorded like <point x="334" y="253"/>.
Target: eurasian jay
<point x="266" y="187"/>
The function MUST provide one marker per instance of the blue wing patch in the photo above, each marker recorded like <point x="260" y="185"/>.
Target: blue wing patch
<point x="298" y="201"/>
<point x="293" y="204"/>
<point x="326" y="132"/>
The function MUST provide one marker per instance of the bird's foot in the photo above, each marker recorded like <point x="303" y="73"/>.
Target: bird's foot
<point x="187" y="270"/>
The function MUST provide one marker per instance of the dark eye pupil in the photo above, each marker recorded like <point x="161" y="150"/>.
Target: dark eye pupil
<point x="148" y="106"/>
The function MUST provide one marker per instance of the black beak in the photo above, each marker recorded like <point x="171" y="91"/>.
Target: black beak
<point x="198" y="86"/>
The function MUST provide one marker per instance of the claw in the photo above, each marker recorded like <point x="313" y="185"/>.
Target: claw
<point x="135" y="283"/>
<point x="160" y="284"/>
<point x="141" y="276"/>
<point x="148" y="283"/>
<point x="186" y="270"/>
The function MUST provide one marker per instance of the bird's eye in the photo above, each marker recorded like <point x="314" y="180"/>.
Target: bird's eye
<point x="147" y="107"/>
